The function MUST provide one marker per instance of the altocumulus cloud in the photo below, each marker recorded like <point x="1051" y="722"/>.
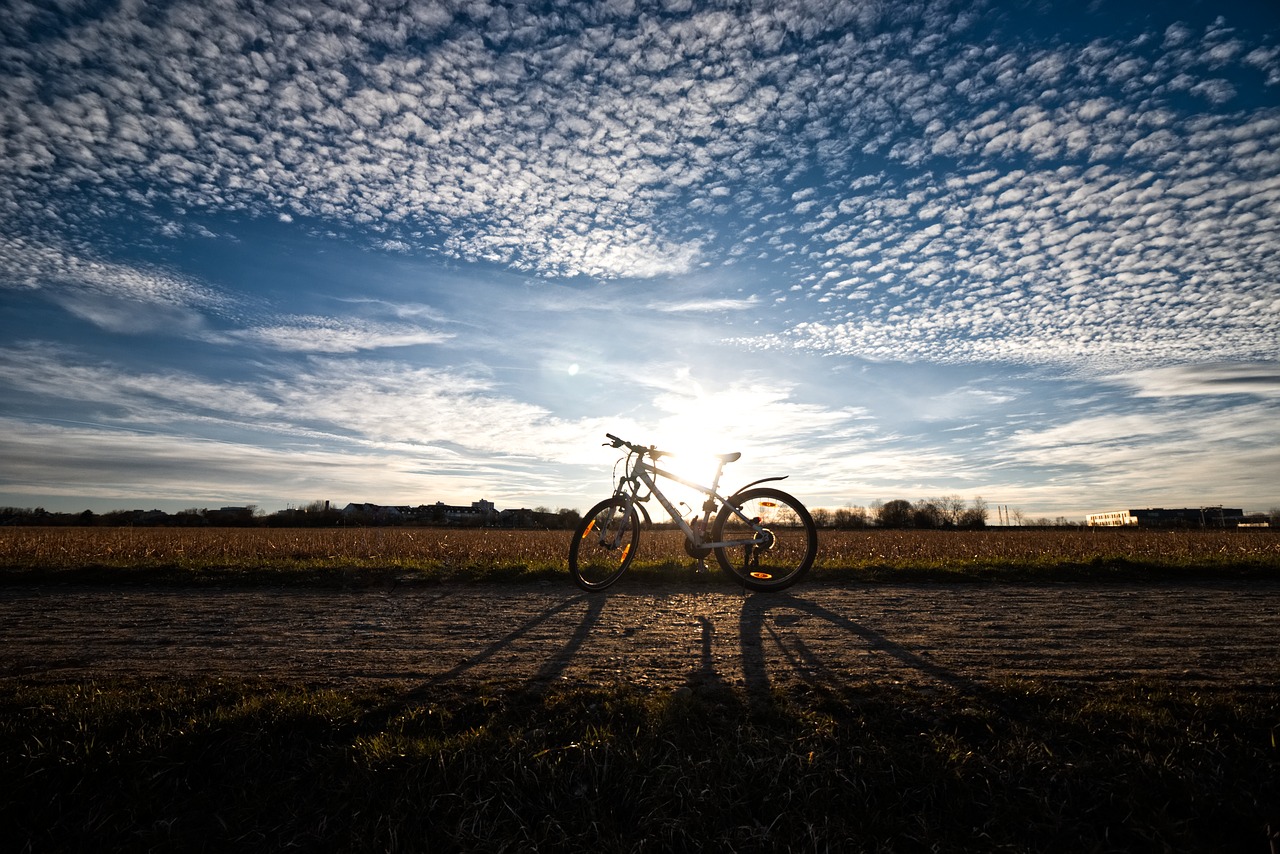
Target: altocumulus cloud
<point x="1078" y="202"/>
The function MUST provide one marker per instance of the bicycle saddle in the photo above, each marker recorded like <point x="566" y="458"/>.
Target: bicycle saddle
<point x="728" y="458"/>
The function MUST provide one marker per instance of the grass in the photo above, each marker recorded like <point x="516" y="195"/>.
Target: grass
<point x="430" y="555"/>
<point x="1021" y="766"/>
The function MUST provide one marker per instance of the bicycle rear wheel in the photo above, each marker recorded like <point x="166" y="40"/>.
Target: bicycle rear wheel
<point x="790" y="539"/>
<point x="604" y="544"/>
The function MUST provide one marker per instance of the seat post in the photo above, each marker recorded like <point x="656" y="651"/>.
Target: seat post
<point x="715" y="482"/>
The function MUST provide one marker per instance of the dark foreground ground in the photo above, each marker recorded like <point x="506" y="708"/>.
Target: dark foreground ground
<point x="489" y="717"/>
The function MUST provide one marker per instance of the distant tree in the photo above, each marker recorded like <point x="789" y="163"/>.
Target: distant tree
<point x="821" y="517"/>
<point x="973" y="516"/>
<point x="952" y="509"/>
<point x="925" y="513"/>
<point x="188" y="518"/>
<point x="850" y="517"/>
<point x="894" y="514"/>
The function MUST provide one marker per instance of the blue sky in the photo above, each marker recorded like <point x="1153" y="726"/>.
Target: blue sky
<point x="278" y="252"/>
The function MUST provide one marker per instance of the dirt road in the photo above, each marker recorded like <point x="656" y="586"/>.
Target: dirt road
<point x="919" y="634"/>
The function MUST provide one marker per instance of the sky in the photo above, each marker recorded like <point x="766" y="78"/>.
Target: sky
<point x="403" y="252"/>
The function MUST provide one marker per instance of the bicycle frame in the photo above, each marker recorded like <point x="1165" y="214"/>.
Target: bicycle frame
<point x="642" y="474"/>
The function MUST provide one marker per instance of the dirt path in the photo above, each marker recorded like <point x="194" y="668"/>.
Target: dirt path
<point x="920" y="634"/>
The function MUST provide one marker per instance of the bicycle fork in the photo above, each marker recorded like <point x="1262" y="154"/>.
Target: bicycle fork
<point x="613" y="542"/>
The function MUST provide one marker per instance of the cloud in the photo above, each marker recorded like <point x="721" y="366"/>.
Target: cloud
<point x="444" y="420"/>
<point x="332" y="335"/>
<point x="117" y="297"/>
<point x="976" y="197"/>
<point x="367" y="403"/>
<point x="400" y="310"/>
<point x="1169" y="455"/>
<point x="1257" y="379"/>
<point x="1109" y="265"/>
<point x="141" y="399"/>
<point x="119" y="466"/>
<point x="711" y="304"/>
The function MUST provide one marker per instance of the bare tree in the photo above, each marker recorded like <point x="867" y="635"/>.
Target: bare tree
<point x="952" y="509"/>
<point x="975" y="516"/>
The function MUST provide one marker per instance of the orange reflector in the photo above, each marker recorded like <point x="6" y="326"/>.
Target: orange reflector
<point x="768" y="504"/>
<point x="626" y="550"/>
<point x="765" y="576"/>
<point x="590" y="525"/>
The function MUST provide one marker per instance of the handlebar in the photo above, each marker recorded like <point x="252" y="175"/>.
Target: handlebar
<point x="616" y="442"/>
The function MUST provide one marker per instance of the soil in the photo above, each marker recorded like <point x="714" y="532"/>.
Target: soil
<point x="468" y="635"/>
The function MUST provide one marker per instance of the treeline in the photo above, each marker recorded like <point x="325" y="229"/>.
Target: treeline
<point x="950" y="511"/>
<point x="315" y="515"/>
<point x="121" y="518"/>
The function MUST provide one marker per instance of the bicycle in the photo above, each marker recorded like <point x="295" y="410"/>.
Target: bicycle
<point x="761" y="536"/>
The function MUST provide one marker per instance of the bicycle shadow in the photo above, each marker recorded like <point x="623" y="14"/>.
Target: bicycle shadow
<point x="755" y="626"/>
<point x="555" y="662"/>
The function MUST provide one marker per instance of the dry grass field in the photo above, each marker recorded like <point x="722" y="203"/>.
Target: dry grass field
<point x="444" y="552"/>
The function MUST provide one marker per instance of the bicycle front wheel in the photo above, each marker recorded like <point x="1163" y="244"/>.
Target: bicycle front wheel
<point x="604" y="544"/>
<point x="782" y="553"/>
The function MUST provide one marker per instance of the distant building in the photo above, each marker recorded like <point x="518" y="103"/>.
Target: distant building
<point x="522" y="517"/>
<point x="1159" y="517"/>
<point x="478" y="513"/>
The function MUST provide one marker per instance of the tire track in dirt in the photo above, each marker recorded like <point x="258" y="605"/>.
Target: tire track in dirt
<point x="458" y="635"/>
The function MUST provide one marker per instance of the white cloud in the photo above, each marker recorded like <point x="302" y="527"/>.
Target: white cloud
<point x="711" y="304"/>
<point x="36" y="265"/>
<point x="1173" y="455"/>
<point x="333" y="335"/>
<point x="56" y="461"/>
<point x="118" y="296"/>
<point x="551" y="143"/>
<point x="1256" y="379"/>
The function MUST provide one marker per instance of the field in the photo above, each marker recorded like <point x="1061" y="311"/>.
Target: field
<point x="924" y="750"/>
<point x="407" y="554"/>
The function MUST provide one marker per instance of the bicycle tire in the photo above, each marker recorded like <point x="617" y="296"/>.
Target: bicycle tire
<point x="595" y="561"/>
<point x="794" y="539"/>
